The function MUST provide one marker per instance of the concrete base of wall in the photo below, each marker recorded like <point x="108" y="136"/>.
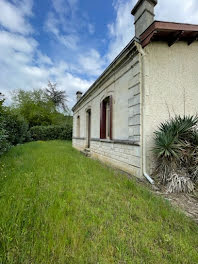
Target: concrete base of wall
<point x="124" y="157"/>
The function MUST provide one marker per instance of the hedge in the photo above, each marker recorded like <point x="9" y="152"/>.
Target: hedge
<point x="51" y="132"/>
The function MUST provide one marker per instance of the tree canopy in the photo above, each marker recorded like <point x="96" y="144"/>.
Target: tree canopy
<point x="42" y="106"/>
<point x="58" y="97"/>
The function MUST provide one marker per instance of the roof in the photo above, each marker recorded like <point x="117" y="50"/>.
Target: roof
<point x="169" y="32"/>
<point x="114" y="64"/>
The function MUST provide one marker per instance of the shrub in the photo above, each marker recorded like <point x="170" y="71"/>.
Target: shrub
<point x="4" y="144"/>
<point x="51" y="132"/>
<point x="176" y="149"/>
<point x="16" y="128"/>
<point x="13" y="130"/>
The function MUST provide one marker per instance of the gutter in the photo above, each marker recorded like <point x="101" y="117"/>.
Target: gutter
<point x="146" y="175"/>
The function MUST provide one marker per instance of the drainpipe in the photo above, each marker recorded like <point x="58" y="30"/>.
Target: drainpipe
<point x="146" y="175"/>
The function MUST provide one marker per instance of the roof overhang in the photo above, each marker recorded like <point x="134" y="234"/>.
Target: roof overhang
<point x="169" y="32"/>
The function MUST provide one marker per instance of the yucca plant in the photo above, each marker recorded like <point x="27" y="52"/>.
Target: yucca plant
<point x="176" y="149"/>
<point x="180" y="183"/>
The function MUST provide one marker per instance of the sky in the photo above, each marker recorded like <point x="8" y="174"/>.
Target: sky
<point x="69" y="42"/>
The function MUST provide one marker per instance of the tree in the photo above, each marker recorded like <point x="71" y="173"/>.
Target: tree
<point x="34" y="106"/>
<point x="59" y="98"/>
<point x="2" y="99"/>
<point x="37" y="108"/>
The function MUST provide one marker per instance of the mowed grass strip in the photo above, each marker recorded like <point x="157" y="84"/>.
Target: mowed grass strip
<point x="57" y="206"/>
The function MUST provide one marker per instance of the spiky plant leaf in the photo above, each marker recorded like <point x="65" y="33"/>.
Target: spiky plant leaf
<point x="176" y="147"/>
<point x="167" y="145"/>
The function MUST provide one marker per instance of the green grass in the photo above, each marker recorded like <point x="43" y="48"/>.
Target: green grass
<point x="56" y="206"/>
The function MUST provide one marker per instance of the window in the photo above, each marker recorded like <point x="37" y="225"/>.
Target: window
<point x="106" y="118"/>
<point x="78" y="126"/>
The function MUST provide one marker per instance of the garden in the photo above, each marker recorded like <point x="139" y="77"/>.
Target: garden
<point x="57" y="206"/>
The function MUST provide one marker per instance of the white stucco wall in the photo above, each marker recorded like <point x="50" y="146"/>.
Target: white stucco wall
<point x="117" y="86"/>
<point x="170" y="86"/>
<point x="123" y="83"/>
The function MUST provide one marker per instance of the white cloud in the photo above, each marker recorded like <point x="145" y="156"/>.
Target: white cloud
<point x="24" y="66"/>
<point x="13" y="17"/>
<point x="92" y="63"/>
<point x="17" y="42"/>
<point x="121" y="31"/>
<point x="66" y="22"/>
<point x="70" y="41"/>
<point x="52" y="25"/>
<point x="71" y="84"/>
<point x="43" y="59"/>
<point x="65" y="6"/>
<point x="177" y="11"/>
<point x="60" y="6"/>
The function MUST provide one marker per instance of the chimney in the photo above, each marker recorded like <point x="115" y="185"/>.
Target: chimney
<point x="144" y="15"/>
<point x="78" y="95"/>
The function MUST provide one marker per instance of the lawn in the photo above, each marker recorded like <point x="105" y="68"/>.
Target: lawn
<point x="57" y="206"/>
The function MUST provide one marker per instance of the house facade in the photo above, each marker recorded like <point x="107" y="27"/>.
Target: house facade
<point x="153" y="78"/>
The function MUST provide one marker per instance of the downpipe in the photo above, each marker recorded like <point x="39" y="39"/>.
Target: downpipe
<point x="146" y="175"/>
<point x="148" y="178"/>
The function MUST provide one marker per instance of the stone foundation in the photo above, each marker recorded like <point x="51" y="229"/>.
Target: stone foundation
<point x="79" y="144"/>
<point x="126" y="157"/>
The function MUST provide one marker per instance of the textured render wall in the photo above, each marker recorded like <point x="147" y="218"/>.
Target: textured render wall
<point x="170" y="86"/>
<point x="123" y="85"/>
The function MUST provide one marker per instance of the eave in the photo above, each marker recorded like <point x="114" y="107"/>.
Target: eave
<point x="169" y="32"/>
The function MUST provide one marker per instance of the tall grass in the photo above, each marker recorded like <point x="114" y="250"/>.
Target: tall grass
<point x="56" y="206"/>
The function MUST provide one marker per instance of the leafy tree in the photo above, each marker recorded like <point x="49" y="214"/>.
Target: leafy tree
<point x="34" y="106"/>
<point x="2" y="99"/>
<point x="59" y="98"/>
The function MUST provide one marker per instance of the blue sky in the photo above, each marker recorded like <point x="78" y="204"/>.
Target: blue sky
<point x="69" y="42"/>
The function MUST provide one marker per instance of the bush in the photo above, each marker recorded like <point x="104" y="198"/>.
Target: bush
<point x="4" y="144"/>
<point x="16" y="128"/>
<point x="176" y="150"/>
<point x="13" y="130"/>
<point x="51" y="132"/>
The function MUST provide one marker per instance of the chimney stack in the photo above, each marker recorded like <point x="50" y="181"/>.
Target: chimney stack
<point x="144" y="15"/>
<point x="78" y="95"/>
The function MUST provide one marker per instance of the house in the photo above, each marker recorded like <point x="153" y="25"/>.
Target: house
<point x="154" y="77"/>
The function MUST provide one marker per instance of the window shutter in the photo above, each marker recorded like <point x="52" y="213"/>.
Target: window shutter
<point x="111" y="116"/>
<point x="102" y="120"/>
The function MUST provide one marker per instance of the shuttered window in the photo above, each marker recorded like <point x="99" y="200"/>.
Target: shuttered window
<point x="106" y="118"/>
